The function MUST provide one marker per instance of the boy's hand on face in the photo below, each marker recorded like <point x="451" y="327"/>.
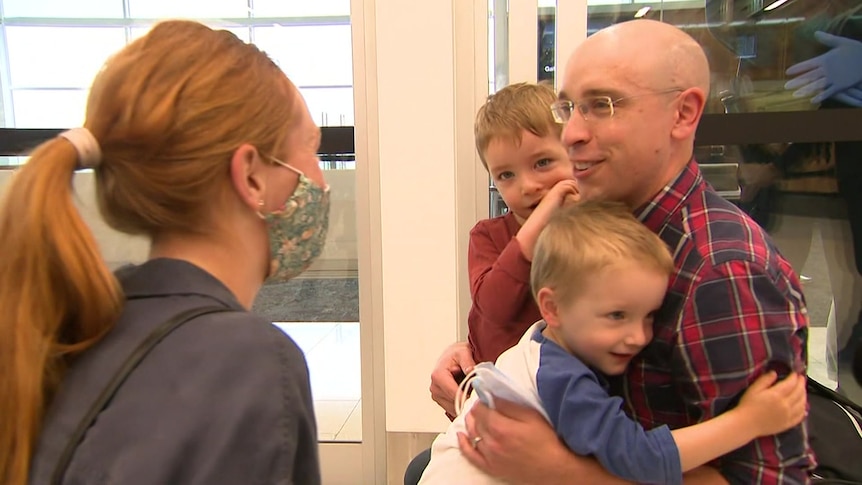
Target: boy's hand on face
<point x="565" y="192"/>
<point x="772" y="409"/>
<point x="562" y="194"/>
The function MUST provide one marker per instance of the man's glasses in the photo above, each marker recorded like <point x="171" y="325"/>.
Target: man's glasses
<point x="594" y="107"/>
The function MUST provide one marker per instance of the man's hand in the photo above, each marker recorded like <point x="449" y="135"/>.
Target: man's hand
<point x="455" y="362"/>
<point x="516" y="444"/>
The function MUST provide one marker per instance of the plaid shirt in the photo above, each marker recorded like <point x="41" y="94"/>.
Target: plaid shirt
<point x="734" y="309"/>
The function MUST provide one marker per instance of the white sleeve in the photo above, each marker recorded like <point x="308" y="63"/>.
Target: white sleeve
<point x="448" y="465"/>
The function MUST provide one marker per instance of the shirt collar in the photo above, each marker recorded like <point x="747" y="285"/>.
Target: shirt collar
<point x="655" y="213"/>
<point x="166" y="277"/>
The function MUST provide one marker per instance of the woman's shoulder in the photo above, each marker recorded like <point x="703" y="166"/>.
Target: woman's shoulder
<point x="242" y="338"/>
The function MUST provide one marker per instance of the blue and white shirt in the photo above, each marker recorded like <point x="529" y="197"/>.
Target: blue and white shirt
<point x="585" y="416"/>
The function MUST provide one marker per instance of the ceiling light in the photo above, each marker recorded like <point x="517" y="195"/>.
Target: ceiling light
<point x="643" y="11"/>
<point x="774" y="5"/>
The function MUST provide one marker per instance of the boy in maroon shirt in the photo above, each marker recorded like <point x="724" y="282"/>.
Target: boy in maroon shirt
<point x="519" y="144"/>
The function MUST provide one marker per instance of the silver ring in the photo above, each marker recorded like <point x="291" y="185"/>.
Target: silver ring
<point x="476" y="441"/>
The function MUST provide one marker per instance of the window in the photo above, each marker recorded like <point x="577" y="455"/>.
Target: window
<point x="54" y="49"/>
<point x="82" y="9"/>
<point x="50" y="52"/>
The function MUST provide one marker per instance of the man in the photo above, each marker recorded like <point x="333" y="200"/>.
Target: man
<point x="631" y="99"/>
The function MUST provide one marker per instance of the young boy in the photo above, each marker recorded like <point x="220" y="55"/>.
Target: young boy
<point x="599" y="277"/>
<point x="519" y="144"/>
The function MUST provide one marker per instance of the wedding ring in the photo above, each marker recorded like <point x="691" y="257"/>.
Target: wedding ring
<point x="476" y="441"/>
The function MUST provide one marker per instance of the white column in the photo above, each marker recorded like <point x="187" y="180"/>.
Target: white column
<point x="416" y="93"/>
<point x="570" y="32"/>
<point x="523" y="41"/>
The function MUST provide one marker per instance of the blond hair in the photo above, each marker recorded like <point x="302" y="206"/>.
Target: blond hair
<point x="582" y="239"/>
<point x="510" y="111"/>
<point x="168" y="111"/>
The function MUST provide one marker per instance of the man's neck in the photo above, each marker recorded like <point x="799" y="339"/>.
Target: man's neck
<point x="672" y="173"/>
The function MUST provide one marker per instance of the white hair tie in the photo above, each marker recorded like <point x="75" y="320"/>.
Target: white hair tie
<point x="89" y="153"/>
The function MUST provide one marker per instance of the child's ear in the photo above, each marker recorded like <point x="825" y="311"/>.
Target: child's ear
<point x="548" y="307"/>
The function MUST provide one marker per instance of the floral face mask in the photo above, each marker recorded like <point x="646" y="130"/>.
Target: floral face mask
<point x="297" y="231"/>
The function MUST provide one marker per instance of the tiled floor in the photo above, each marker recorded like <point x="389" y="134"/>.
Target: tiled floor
<point x="332" y="351"/>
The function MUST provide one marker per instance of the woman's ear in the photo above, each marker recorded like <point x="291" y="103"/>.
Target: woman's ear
<point x="246" y="175"/>
<point x="545" y="298"/>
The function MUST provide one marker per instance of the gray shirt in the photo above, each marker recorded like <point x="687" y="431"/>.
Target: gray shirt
<point x="224" y="399"/>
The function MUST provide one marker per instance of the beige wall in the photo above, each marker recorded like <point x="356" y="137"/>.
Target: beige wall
<point x="117" y="248"/>
<point x="338" y="259"/>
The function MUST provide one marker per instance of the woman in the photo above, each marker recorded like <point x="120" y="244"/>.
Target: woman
<point x="201" y="143"/>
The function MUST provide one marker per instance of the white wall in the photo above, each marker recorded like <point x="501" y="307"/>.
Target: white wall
<point x="421" y="188"/>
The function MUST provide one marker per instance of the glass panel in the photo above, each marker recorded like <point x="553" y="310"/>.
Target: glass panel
<point x="318" y="55"/>
<point x="317" y="8"/>
<point x="320" y="311"/>
<point x="806" y="195"/>
<point x="200" y="9"/>
<point x="48" y="108"/>
<point x="63" y="8"/>
<point x="318" y="59"/>
<point x="752" y="46"/>
<point x="66" y="57"/>
<point x="330" y="106"/>
<point x="547" y="44"/>
<point x="242" y="32"/>
<point x="10" y="162"/>
<point x="44" y="84"/>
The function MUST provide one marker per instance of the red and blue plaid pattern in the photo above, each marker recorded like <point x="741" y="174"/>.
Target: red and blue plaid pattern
<point x="734" y="310"/>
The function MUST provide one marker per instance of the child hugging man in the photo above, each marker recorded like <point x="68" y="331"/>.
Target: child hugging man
<point x="519" y="144"/>
<point x="599" y="277"/>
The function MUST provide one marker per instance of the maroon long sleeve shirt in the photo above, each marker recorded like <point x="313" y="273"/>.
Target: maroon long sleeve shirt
<point x="503" y="306"/>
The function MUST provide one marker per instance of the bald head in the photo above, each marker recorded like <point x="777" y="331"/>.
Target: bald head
<point x="658" y="55"/>
<point x="657" y="79"/>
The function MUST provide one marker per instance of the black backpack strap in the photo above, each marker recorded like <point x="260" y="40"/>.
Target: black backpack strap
<point x="818" y="388"/>
<point x="120" y="376"/>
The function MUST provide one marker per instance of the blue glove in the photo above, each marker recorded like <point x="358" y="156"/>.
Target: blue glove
<point x="851" y="96"/>
<point x="830" y="73"/>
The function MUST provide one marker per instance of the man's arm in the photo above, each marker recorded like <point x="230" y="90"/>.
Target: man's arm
<point x="739" y="323"/>
<point x="518" y="445"/>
